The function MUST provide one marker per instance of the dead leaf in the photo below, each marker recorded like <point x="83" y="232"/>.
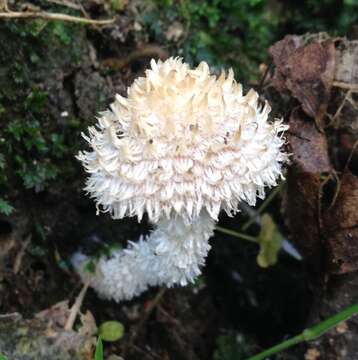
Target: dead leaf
<point x="301" y="209"/>
<point x="280" y="52"/>
<point x="341" y="227"/>
<point x="89" y="327"/>
<point x="301" y="206"/>
<point x="57" y="314"/>
<point x="306" y="71"/>
<point x="309" y="146"/>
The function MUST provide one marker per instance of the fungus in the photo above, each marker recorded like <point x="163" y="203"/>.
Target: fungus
<point x="182" y="146"/>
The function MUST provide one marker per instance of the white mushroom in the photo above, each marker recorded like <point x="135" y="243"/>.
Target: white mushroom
<point x="182" y="146"/>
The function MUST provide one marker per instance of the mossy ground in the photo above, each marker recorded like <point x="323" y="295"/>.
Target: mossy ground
<point x="54" y="78"/>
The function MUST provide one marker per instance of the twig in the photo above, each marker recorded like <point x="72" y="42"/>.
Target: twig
<point x="146" y="353"/>
<point x="144" y="318"/>
<point x="83" y="10"/>
<point x="338" y="189"/>
<point x="264" y="76"/>
<point x="66" y="3"/>
<point x="20" y="255"/>
<point x="340" y="108"/>
<point x="309" y="334"/>
<point x="319" y="199"/>
<point x="170" y="318"/>
<point x="150" y="309"/>
<point x="336" y="177"/>
<point x="354" y="148"/>
<point x="286" y="245"/>
<point x="13" y="317"/>
<point x="352" y="102"/>
<point x="76" y="307"/>
<point x="347" y="86"/>
<point x="150" y="50"/>
<point x="52" y="16"/>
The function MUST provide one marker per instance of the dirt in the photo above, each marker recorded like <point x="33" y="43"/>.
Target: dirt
<point x="234" y="296"/>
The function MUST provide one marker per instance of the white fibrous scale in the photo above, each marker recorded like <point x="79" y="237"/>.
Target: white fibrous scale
<point x="172" y="254"/>
<point x="182" y="146"/>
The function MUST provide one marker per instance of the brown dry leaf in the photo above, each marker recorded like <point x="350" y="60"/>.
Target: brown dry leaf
<point x="310" y="159"/>
<point x="309" y="146"/>
<point x="56" y="315"/>
<point x="341" y="227"/>
<point x="280" y="52"/>
<point x="89" y="327"/>
<point x="301" y="210"/>
<point x="306" y="71"/>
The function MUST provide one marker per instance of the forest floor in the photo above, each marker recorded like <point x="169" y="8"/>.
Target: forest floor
<point x="54" y="78"/>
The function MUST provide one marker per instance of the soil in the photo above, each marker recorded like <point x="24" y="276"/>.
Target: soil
<point x="316" y="211"/>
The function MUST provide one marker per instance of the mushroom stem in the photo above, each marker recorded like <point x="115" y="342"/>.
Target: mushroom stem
<point x="172" y="254"/>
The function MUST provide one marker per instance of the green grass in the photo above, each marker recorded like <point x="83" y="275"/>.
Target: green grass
<point x="99" y="350"/>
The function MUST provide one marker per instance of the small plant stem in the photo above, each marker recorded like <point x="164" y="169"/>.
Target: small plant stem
<point x="99" y="349"/>
<point x="236" y="234"/>
<point x="263" y="206"/>
<point x="310" y="333"/>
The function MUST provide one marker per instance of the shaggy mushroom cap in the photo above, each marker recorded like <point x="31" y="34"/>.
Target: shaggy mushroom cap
<point x="182" y="140"/>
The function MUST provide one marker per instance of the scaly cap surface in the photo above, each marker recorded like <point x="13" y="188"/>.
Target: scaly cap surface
<point x="182" y="140"/>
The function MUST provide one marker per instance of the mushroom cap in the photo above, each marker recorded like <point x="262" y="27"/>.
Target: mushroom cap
<point x="182" y="140"/>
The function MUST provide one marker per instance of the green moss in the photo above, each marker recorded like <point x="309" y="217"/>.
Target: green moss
<point x="5" y="207"/>
<point x="34" y="147"/>
<point x="237" y="33"/>
<point x="232" y="347"/>
<point x="221" y="32"/>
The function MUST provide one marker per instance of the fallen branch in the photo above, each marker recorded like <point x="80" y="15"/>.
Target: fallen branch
<point x="52" y="16"/>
